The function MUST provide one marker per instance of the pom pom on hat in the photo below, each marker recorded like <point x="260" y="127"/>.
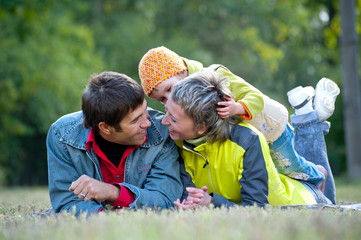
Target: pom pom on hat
<point x="157" y="65"/>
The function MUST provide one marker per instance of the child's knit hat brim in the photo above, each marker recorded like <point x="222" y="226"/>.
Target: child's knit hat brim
<point x="157" y="65"/>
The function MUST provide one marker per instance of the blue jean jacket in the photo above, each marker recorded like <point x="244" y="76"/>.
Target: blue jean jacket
<point x="151" y="171"/>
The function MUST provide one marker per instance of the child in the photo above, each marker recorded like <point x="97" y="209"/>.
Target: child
<point x="160" y="68"/>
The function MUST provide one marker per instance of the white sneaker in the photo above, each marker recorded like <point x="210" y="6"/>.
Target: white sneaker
<point x="325" y="97"/>
<point x="300" y="99"/>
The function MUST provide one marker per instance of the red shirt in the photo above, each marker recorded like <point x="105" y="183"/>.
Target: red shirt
<point x="111" y="173"/>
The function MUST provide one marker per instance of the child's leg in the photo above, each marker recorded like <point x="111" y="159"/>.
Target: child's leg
<point x="310" y="143"/>
<point x="310" y="125"/>
<point x="290" y="163"/>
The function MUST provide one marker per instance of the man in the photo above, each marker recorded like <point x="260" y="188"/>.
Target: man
<point x="115" y="152"/>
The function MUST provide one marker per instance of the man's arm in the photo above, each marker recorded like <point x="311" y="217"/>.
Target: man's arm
<point x="163" y="185"/>
<point x="185" y="178"/>
<point x="89" y="189"/>
<point x="61" y="174"/>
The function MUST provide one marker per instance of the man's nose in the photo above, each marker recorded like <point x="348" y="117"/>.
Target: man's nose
<point x="146" y="123"/>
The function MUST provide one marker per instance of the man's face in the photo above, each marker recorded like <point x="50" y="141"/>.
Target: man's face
<point x="133" y="128"/>
<point x="180" y="125"/>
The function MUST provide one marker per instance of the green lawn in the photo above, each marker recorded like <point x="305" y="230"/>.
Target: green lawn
<point x="17" y="221"/>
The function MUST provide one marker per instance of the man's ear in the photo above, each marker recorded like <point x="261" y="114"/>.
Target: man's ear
<point x="104" y="128"/>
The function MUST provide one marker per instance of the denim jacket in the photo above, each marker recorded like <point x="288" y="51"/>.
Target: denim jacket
<point x="151" y="171"/>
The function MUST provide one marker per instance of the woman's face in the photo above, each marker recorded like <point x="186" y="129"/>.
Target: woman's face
<point x="162" y="91"/>
<point x="180" y="125"/>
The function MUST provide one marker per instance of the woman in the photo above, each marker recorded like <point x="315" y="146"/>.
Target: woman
<point x="229" y="161"/>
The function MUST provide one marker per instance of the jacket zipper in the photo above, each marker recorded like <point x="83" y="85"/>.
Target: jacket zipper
<point x="204" y="166"/>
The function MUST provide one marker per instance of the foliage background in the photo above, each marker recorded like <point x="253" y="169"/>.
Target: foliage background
<point x="49" y="49"/>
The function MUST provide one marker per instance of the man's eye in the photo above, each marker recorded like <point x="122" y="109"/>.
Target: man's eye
<point x="135" y="120"/>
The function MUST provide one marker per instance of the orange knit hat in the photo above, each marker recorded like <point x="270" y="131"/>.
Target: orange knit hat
<point x="157" y="65"/>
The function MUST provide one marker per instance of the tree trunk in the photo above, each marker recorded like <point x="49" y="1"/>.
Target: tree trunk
<point x="351" y="88"/>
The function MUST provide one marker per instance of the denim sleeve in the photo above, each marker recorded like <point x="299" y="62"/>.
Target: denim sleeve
<point x="163" y="184"/>
<point x="61" y="173"/>
<point x="185" y="178"/>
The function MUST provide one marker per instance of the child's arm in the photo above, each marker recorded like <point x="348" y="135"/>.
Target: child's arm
<point x="245" y="96"/>
<point x="230" y="108"/>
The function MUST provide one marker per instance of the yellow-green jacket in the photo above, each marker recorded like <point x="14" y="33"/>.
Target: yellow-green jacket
<point x="250" y="97"/>
<point x="267" y="115"/>
<point x="241" y="171"/>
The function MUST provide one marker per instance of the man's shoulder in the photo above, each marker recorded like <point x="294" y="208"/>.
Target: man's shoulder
<point x="69" y="128"/>
<point x="69" y="119"/>
<point x="156" y="117"/>
<point x="68" y="123"/>
<point x="155" y="114"/>
<point x="157" y="132"/>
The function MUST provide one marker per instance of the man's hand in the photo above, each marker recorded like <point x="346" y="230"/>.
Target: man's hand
<point x="89" y="189"/>
<point x="230" y="108"/>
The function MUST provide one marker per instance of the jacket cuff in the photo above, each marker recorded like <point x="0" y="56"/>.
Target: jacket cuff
<point x="218" y="200"/>
<point x="125" y="198"/>
<point x="248" y="115"/>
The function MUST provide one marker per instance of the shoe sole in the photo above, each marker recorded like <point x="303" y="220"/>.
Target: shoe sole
<point x="325" y="97"/>
<point x="327" y="86"/>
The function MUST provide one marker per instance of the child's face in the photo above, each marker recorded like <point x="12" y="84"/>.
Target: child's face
<point x="162" y="91"/>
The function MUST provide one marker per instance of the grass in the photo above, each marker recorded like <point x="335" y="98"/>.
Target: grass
<point x="17" y="221"/>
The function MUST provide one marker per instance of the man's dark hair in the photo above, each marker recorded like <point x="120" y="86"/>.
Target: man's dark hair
<point x="109" y="97"/>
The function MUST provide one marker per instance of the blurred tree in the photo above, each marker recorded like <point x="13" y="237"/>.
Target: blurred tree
<point x="352" y="90"/>
<point x="49" y="49"/>
<point x="275" y="45"/>
<point x="45" y="65"/>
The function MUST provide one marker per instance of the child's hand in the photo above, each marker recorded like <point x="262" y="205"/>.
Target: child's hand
<point x="230" y="108"/>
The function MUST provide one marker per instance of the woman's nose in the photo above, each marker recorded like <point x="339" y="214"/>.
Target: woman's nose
<point x="165" y="120"/>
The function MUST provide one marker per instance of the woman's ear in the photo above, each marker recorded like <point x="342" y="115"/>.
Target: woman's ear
<point x="104" y="128"/>
<point x="202" y="129"/>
